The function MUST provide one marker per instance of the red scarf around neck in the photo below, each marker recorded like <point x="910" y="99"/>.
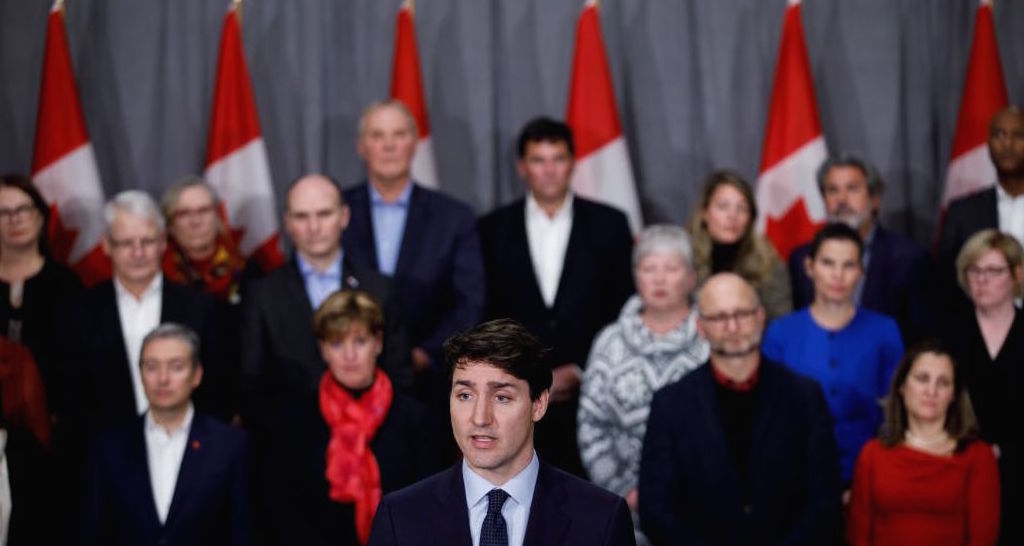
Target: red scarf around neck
<point x="352" y="470"/>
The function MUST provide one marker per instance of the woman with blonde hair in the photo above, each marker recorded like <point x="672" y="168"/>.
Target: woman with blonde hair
<point x="723" y="237"/>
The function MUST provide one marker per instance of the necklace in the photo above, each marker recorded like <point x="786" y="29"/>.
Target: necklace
<point x="939" y="443"/>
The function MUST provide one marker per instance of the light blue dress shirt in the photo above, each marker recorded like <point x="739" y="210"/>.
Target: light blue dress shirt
<point x="516" y="509"/>
<point x="389" y="226"/>
<point x="320" y="284"/>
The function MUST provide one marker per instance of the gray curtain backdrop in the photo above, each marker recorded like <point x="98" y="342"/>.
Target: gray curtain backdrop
<point x="692" y="78"/>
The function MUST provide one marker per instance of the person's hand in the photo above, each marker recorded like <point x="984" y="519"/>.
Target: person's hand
<point x="632" y="500"/>
<point x="565" y="382"/>
<point x="420" y="359"/>
<point x="846" y="497"/>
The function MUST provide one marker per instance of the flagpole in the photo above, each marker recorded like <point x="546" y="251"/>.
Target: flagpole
<point x="412" y="7"/>
<point x="237" y="4"/>
<point x="59" y="4"/>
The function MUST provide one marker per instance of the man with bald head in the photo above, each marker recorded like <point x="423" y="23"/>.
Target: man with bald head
<point x="739" y="451"/>
<point x="281" y="364"/>
<point x="1000" y="206"/>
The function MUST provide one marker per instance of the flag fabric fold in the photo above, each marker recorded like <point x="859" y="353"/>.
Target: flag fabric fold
<point x="603" y="170"/>
<point x="984" y="94"/>
<point x="236" y="158"/>
<point x="407" y="86"/>
<point x="787" y="194"/>
<point x="63" y="164"/>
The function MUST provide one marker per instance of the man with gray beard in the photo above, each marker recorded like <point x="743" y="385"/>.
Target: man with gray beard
<point x="897" y="277"/>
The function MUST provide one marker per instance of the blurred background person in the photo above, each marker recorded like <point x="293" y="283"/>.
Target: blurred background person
<point x="201" y="252"/>
<point x="988" y="341"/>
<point x="653" y="343"/>
<point x="358" y="439"/>
<point x="722" y="232"/>
<point x="926" y="480"/>
<point x="33" y="286"/>
<point x="849" y="350"/>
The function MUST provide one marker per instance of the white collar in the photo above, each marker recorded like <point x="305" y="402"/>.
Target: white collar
<point x="520" y="487"/>
<point x="155" y="286"/>
<point x="186" y="424"/>
<point x="534" y="210"/>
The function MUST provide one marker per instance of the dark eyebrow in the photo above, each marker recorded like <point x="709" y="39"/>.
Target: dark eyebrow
<point x="495" y="385"/>
<point x="465" y="383"/>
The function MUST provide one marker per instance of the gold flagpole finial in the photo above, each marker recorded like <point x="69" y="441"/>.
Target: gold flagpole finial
<point x="237" y="5"/>
<point x="59" y="4"/>
<point x="411" y="4"/>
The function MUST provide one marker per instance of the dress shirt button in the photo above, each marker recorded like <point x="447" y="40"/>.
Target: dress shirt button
<point x="747" y="509"/>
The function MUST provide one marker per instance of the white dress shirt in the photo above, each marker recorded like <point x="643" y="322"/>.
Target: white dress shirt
<point x="1011" y="213"/>
<point x="548" y="238"/>
<point x="138" y="318"/>
<point x="165" y="450"/>
<point x="516" y="509"/>
<point x="5" y="491"/>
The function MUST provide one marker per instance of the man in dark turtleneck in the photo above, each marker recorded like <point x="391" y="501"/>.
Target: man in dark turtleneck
<point x="740" y="451"/>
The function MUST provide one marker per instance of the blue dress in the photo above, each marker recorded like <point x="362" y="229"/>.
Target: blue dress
<point x="853" y="365"/>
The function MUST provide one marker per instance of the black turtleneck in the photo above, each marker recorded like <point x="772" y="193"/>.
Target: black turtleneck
<point x="723" y="257"/>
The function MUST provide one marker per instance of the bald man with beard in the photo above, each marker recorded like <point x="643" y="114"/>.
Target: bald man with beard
<point x="739" y="451"/>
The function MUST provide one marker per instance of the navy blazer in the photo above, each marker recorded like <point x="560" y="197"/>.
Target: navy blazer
<point x="210" y="505"/>
<point x="690" y="492"/>
<point x="440" y="273"/>
<point x="281" y="363"/>
<point x="898" y="283"/>
<point x="566" y="511"/>
<point x="597" y="276"/>
<point x="97" y="380"/>
<point x="964" y="217"/>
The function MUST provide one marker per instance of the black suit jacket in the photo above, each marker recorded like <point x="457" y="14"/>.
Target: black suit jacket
<point x="898" y="282"/>
<point x="964" y="217"/>
<point x="690" y="492"/>
<point x="597" y="276"/>
<point x="566" y="511"/>
<point x="98" y="381"/>
<point x="281" y="363"/>
<point x="439" y="275"/>
<point x="210" y="505"/>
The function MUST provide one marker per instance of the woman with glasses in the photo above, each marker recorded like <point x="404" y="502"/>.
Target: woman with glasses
<point x="849" y="350"/>
<point x="988" y="340"/>
<point x="654" y="342"/>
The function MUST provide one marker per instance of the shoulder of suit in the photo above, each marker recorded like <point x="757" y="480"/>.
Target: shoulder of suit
<point x="415" y="494"/>
<point x="220" y="431"/>
<point x="587" y="206"/>
<point x="505" y="212"/>
<point x="579" y="490"/>
<point x="973" y="199"/>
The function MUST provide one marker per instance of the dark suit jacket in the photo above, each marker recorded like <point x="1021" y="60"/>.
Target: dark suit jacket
<point x="439" y="275"/>
<point x="99" y="383"/>
<point x="566" y="511"/>
<point x="690" y="492"/>
<point x="210" y="505"/>
<point x="597" y="277"/>
<point x="964" y="217"/>
<point x="281" y="363"/>
<point x="898" y="282"/>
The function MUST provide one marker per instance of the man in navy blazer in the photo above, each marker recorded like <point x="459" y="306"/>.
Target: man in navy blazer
<point x="501" y="494"/>
<point x="1000" y="206"/>
<point x="739" y="451"/>
<point x="424" y="240"/>
<point x="173" y="477"/>
<point x="560" y="264"/>
<point x="898" y="278"/>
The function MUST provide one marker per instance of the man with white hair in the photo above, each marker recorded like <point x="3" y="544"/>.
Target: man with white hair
<point x="107" y="323"/>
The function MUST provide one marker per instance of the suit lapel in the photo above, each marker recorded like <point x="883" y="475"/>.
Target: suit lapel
<point x="715" y="425"/>
<point x="452" y="514"/>
<point x="575" y="255"/>
<point x="764" y="412"/>
<point x="191" y="471"/>
<point x="119" y="368"/>
<point x="136" y="473"/>
<point x="548" y="520"/>
<point x="418" y="215"/>
<point x="360" y="238"/>
<point x="876" y="268"/>
<point x="520" y="253"/>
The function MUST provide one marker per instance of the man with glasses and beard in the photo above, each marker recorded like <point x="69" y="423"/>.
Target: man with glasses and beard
<point x="897" y="278"/>
<point x="740" y="451"/>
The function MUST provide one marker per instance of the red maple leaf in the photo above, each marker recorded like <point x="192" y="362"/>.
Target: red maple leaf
<point x="792" y="229"/>
<point x="61" y="238"/>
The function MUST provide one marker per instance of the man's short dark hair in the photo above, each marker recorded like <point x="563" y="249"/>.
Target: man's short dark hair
<point x="506" y="345"/>
<point x="836" y="231"/>
<point x="544" y="129"/>
<point x="874" y="180"/>
<point x="180" y="332"/>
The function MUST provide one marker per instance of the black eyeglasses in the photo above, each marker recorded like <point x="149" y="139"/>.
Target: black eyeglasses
<point x="741" y="316"/>
<point x="17" y="213"/>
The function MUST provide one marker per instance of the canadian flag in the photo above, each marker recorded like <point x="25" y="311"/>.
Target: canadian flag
<point x="236" y="159"/>
<point x="787" y="193"/>
<point x="407" y="86"/>
<point x="603" y="171"/>
<point x="63" y="164"/>
<point x="971" y="168"/>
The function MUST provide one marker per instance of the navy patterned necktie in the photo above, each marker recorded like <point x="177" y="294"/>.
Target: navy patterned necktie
<point x="493" y="531"/>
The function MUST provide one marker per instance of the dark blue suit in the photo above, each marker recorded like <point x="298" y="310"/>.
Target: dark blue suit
<point x="898" y="282"/>
<point x="211" y="499"/>
<point x="566" y="511"/>
<point x="440" y="273"/>
<point x="691" y="493"/>
<point x="964" y="217"/>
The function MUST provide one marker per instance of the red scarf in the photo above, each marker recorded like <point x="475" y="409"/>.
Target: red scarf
<point x="352" y="470"/>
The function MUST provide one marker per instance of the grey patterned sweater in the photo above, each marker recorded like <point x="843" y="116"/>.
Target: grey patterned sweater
<point x="627" y="365"/>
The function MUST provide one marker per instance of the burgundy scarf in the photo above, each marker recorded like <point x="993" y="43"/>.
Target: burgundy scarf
<point x="352" y="470"/>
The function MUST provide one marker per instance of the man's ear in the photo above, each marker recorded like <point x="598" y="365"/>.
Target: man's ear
<point x="105" y="243"/>
<point x="540" y="405"/>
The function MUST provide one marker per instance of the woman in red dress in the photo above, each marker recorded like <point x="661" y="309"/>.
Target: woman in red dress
<point x="926" y="480"/>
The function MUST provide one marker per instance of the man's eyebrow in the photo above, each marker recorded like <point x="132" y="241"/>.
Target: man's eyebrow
<point x="465" y="383"/>
<point x="501" y="385"/>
